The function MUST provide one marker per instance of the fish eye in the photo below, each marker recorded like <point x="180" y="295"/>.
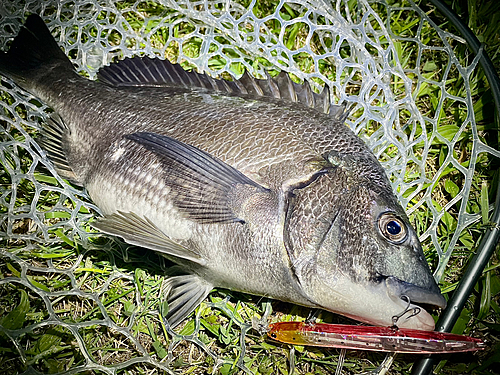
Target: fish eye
<point x="392" y="227"/>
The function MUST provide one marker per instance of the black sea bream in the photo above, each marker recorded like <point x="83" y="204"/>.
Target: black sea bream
<point x="246" y="185"/>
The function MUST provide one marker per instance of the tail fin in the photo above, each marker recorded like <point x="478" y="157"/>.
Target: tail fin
<point x="32" y="53"/>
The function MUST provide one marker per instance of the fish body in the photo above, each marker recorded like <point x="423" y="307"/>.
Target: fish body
<point x="246" y="185"/>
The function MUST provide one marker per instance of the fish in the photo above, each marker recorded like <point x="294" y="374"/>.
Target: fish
<point x="252" y="185"/>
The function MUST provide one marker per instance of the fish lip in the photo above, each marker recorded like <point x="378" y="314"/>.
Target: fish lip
<point x="417" y="295"/>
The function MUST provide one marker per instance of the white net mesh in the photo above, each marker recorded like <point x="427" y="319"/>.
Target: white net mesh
<point x="383" y="60"/>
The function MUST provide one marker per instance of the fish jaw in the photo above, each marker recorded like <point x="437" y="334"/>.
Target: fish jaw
<point x="376" y="303"/>
<point x="413" y="293"/>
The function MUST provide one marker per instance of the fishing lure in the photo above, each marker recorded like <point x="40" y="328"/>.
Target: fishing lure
<point x="383" y="339"/>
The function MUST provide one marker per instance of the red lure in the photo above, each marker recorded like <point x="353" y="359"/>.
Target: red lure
<point x="383" y="339"/>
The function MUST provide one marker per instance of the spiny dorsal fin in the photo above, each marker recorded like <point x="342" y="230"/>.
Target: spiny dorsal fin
<point x="145" y="71"/>
<point x="286" y="88"/>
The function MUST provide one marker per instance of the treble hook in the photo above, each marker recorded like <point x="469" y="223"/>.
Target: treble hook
<point x="416" y="311"/>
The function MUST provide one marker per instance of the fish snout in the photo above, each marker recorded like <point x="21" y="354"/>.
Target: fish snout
<point x="415" y="294"/>
<point x="417" y="302"/>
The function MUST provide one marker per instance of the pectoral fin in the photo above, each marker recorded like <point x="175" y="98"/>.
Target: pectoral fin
<point x="142" y="232"/>
<point x="203" y="187"/>
<point x="184" y="294"/>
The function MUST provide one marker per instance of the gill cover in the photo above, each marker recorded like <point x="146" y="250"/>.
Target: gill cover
<point x="350" y="242"/>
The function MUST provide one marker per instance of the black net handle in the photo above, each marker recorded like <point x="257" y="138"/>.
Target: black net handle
<point x="492" y="234"/>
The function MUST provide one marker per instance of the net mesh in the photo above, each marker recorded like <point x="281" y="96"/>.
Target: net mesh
<point x="389" y="63"/>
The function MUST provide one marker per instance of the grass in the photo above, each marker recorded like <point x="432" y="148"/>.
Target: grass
<point x="108" y="295"/>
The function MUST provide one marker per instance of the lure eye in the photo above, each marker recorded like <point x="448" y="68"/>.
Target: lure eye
<point x="392" y="228"/>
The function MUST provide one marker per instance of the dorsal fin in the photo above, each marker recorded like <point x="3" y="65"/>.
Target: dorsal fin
<point x="145" y="71"/>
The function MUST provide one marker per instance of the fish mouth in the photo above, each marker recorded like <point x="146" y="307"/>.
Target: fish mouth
<point x="388" y="301"/>
<point x="414" y="295"/>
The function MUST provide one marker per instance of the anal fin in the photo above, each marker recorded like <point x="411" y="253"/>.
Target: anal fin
<point x="51" y="141"/>
<point x="139" y="231"/>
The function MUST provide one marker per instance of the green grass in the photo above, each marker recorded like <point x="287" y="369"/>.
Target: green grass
<point x="123" y="286"/>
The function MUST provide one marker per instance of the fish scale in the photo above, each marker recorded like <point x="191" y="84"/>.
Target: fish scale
<point x="251" y="185"/>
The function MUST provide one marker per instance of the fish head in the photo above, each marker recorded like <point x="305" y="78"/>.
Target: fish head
<point x="354" y="251"/>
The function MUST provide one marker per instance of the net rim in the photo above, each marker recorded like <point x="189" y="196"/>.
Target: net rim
<point x="492" y="234"/>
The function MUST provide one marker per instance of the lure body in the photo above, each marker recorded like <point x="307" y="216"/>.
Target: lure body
<point x="383" y="339"/>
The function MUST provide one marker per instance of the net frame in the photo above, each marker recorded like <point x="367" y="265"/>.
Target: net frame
<point x="216" y="26"/>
